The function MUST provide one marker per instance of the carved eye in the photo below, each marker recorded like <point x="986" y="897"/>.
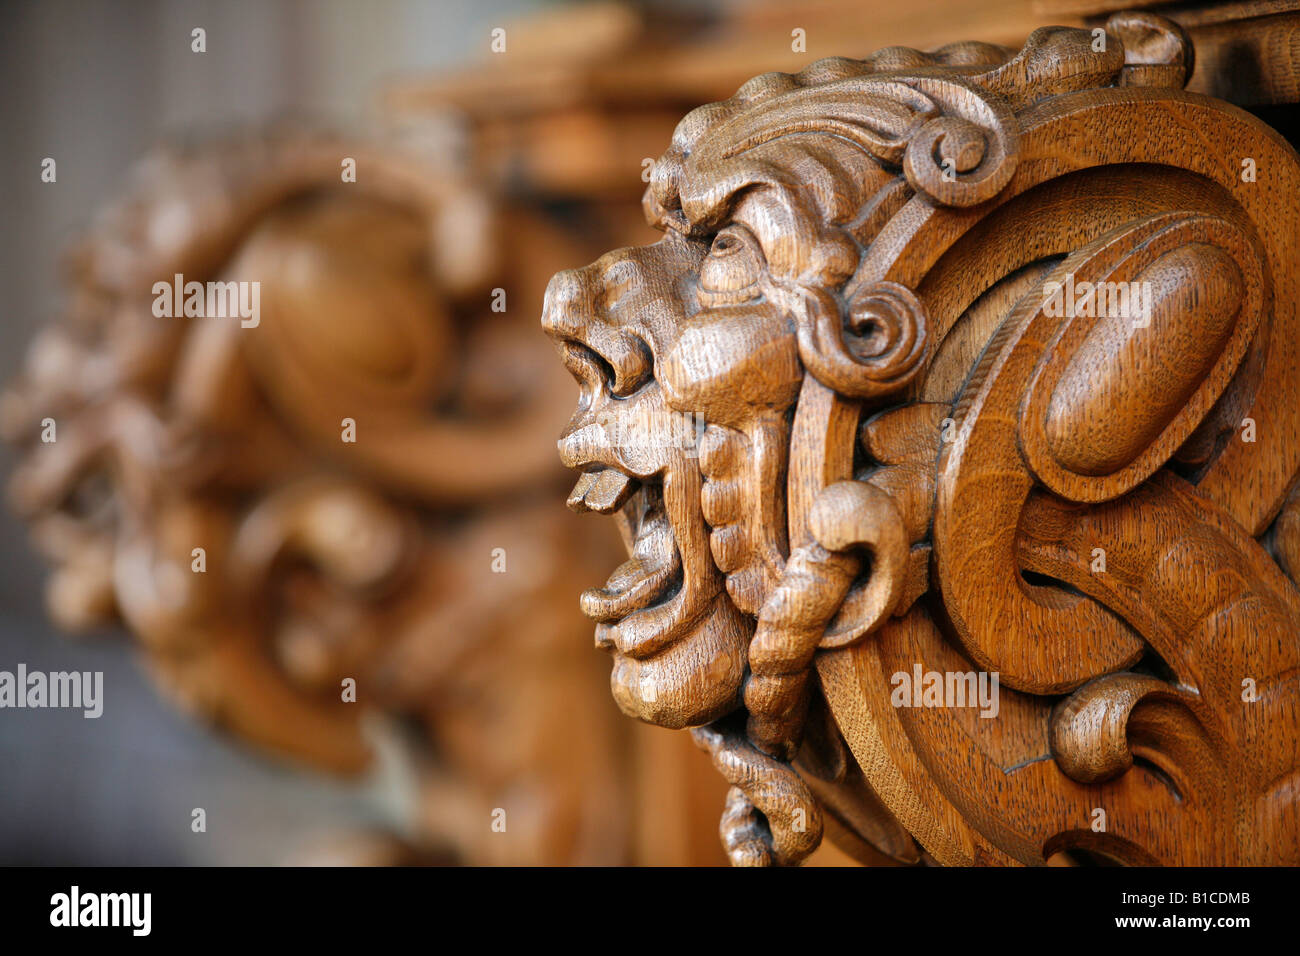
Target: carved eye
<point x="731" y="271"/>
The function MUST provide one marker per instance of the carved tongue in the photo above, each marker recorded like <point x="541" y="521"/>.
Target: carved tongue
<point x="603" y="491"/>
<point x="642" y="579"/>
<point x="577" y="497"/>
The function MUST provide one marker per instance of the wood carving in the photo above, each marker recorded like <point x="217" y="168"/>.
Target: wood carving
<point x="322" y="559"/>
<point x="961" y="377"/>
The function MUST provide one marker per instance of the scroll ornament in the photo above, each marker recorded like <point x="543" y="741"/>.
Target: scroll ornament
<point x="996" y="354"/>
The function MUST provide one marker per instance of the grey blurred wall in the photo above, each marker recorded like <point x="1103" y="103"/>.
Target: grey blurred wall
<point x="92" y="84"/>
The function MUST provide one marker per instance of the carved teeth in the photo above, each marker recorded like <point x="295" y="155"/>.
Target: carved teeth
<point x="653" y="570"/>
<point x="603" y="491"/>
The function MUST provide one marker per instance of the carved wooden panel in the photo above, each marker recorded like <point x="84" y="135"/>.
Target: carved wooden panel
<point x="952" y="428"/>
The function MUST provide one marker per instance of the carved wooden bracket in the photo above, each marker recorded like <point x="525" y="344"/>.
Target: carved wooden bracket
<point x="961" y="378"/>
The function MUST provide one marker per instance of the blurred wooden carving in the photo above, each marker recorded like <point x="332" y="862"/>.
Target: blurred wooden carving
<point x="953" y="430"/>
<point x="427" y="561"/>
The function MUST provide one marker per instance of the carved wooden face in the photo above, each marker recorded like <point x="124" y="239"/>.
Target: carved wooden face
<point x="691" y="354"/>
<point x="871" y="237"/>
<point x="688" y="363"/>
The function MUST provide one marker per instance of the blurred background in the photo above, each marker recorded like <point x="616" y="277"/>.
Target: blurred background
<point x="94" y="85"/>
<point x="495" y="169"/>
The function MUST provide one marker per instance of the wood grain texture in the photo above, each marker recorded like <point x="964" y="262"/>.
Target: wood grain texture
<point x="1041" y="424"/>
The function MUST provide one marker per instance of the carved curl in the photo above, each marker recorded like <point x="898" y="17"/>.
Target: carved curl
<point x="771" y="816"/>
<point x="1089" y="729"/>
<point x="861" y="187"/>
<point x="880" y="346"/>
<point x="956" y="163"/>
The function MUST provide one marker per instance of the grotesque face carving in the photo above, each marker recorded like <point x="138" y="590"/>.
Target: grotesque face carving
<point x="690" y="354"/>
<point x="777" y="316"/>
<point x="687" y="366"/>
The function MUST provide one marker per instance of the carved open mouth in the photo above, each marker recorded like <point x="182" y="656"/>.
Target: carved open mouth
<point x="641" y="607"/>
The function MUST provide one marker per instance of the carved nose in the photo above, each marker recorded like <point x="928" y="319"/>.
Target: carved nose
<point x="563" y="311"/>
<point x="596" y="344"/>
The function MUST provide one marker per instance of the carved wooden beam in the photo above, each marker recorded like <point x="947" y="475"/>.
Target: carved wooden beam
<point x="953" y="429"/>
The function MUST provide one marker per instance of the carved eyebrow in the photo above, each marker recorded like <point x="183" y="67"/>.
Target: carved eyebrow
<point x="623" y="272"/>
